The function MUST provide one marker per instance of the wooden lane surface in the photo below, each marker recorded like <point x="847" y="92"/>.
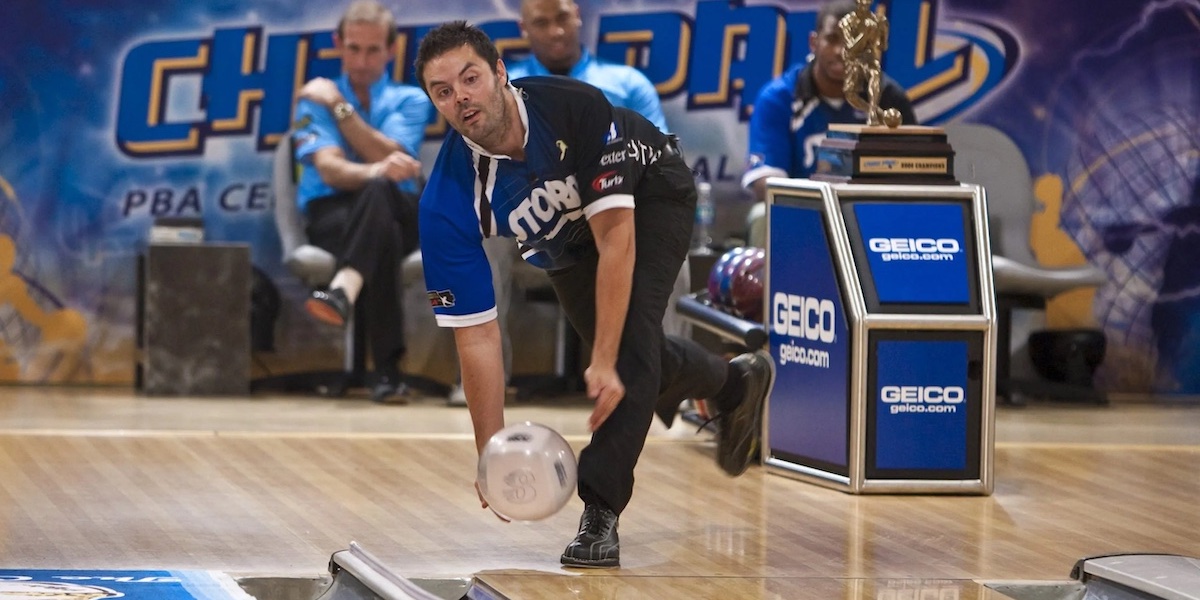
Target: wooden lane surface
<point x="533" y="586"/>
<point x="281" y="504"/>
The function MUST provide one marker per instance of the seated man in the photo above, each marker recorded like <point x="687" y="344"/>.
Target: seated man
<point x="356" y="139"/>
<point x="793" y="112"/>
<point x="552" y="29"/>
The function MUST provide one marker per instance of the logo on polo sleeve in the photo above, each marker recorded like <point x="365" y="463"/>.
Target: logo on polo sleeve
<point x="440" y="298"/>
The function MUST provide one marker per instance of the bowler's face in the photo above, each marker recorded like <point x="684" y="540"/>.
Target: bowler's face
<point x="466" y="92"/>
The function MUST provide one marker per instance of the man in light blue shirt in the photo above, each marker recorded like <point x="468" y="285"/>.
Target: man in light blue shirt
<point x="356" y="139"/>
<point x="552" y="29"/>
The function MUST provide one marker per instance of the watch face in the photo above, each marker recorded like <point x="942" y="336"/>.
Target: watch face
<point x="342" y="110"/>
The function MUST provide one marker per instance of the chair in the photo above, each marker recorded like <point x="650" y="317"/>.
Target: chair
<point x="986" y="156"/>
<point x="315" y="267"/>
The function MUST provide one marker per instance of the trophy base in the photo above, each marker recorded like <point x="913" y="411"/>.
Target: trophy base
<point x="907" y="155"/>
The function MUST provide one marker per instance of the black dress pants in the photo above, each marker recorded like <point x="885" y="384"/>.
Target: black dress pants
<point x="658" y="371"/>
<point x="371" y="231"/>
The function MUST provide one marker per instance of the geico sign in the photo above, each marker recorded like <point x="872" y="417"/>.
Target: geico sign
<point x="922" y="394"/>
<point x="926" y="245"/>
<point x="803" y="317"/>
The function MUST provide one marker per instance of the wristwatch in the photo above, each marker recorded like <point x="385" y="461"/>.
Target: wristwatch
<point x="342" y="111"/>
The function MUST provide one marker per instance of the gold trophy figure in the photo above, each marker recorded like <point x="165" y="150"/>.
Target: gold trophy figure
<point x="871" y="153"/>
<point x="864" y="38"/>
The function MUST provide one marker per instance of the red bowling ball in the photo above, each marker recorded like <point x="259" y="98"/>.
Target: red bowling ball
<point x="746" y="285"/>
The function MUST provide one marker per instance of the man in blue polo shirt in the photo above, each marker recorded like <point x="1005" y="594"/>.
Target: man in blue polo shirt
<point x="793" y="112"/>
<point x="357" y="138"/>
<point x="602" y="200"/>
<point x="552" y="29"/>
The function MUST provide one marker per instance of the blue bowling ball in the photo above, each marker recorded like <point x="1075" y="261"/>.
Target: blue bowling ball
<point x="718" y="277"/>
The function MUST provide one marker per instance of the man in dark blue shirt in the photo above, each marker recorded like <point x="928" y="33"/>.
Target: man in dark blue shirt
<point x="793" y="112"/>
<point x="602" y="199"/>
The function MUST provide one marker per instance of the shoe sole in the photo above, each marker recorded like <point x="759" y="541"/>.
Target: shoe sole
<point x="323" y="312"/>
<point x="580" y="563"/>
<point x="740" y="434"/>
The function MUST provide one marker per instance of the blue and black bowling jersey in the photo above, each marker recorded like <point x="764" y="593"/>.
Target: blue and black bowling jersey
<point x="582" y="156"/>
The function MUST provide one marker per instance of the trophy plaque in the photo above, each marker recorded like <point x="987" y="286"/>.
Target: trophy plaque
<point x="907" y="154"/>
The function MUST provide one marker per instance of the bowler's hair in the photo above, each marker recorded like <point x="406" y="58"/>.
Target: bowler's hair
<point x="451" y="36"/>
<point x="836" y="9"/>
<point x="368" y="11"/>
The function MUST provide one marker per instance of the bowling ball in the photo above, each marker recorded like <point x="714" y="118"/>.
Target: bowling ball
<point x="527" y="472"/>
<point x="717" y="274"/>
<point x="892" y="118"/>
<point x="746" y="285"/>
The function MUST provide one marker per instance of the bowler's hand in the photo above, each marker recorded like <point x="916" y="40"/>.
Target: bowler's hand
<point x="605" y="387"/>
<point x="483" y="503"/>
<point x="322" y="91"/>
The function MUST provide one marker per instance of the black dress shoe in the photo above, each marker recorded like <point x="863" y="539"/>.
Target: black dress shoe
<point x="389" y="389"/>
<point x="740" y="404"/>
<point x="596" y="545"/>
<point x="329" y="306"/>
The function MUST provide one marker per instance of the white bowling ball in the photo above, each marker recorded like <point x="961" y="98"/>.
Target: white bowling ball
<point x="527" y="472"/>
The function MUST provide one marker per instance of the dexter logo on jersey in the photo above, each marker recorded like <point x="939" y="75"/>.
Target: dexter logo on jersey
<point x="612" y="158"/>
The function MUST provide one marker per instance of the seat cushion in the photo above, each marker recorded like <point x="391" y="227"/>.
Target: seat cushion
<point x="314" y="266"/>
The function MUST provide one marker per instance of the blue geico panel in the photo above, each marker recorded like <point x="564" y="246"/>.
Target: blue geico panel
<point x="810" y="341"/>
<point x="921" y="405"/>
<point x="916" y="252"/>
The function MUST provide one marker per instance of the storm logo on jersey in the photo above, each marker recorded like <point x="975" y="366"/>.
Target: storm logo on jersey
<point x="546" y="210"/>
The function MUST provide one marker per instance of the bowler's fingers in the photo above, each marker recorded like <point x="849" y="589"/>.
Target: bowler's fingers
<point x="483" y="503"/>
<point x="606" y="402"/>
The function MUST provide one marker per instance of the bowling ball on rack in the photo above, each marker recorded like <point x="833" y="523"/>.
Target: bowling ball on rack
<point x="746" y="284"/>
<point x="527" y="472"/>
<point x="717" y="277"/>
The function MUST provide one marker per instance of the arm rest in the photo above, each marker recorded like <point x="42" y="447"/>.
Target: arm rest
<point x="1012" y="277"/>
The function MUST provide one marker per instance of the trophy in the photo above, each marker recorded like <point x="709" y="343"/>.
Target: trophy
<point x="883" y="150"/>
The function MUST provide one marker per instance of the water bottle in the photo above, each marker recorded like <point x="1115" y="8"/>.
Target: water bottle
<point x="704" y="219"/>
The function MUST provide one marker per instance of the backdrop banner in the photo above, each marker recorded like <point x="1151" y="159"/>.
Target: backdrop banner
<point x="117" y="113"/>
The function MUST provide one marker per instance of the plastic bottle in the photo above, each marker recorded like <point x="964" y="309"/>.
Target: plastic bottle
<point x="704" y="219"/>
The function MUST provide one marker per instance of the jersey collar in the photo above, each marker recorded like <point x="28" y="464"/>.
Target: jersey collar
<point x="519" y="95"/>
<point x="343" y="83"/>
<point x="806" y="87"/>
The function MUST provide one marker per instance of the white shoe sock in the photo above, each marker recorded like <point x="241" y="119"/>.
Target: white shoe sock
<point x="349" y="280"/>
